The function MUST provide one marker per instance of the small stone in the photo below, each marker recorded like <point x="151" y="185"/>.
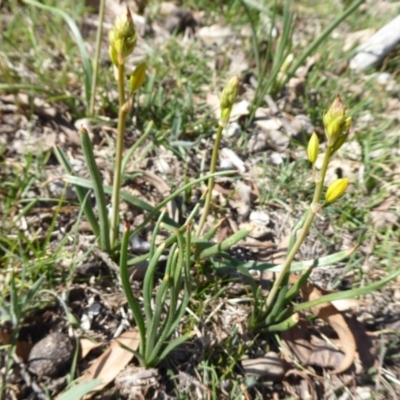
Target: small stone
<point x="133" y="381"/>
<point x="260" y="216"/>
<point x="397" y="295"/>
<point x="230" y="160"/>
<point x="52" y="355"/>
<point x="231" y="131"/>
<point x="257" y="230"/>
<point x="364" y="392"/>
<point x="302" y="123"/>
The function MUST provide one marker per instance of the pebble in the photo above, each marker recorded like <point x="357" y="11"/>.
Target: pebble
<point x="51" y="356"/>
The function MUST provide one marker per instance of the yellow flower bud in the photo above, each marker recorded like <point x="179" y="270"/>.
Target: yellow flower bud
<point x="312" y="148"/>
<point x="229" y="94"/>
<point x="336" y="189"/>
<point x="123" y="25"/>
<point x="122" y="37"/>
<point x="137" y="78"/>
<point x="113" y="55"/>
<point x="336" y="121"/>
<point x="339" y="142"/>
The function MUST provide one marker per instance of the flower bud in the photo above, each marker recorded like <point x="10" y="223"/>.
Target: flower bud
<point x="229" y="94"/>
<point x="113" y="55"/>
<point x="122" y="37"/>
<point x="336" y="121"/>
<point x="137" y="78"/>
<point x="339" y="142"/>
<point x="312" y="148"/>
<point x="336" y="189"/>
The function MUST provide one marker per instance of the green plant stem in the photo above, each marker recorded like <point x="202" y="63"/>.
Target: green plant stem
<point x="310" y="49"/>
<point x="313" y="209"/>
<point x="118" y="156"/>
<point x="96" y="57"/>
<point x="213" y="167"/>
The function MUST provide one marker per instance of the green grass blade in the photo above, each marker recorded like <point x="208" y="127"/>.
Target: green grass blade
<point x="225" y="245"/>
<point x="135" y="146"/>
<point x="80" y="390"/>
<point x="347" y="294"/>
<point x="295" y="267"/>
<point x="80" y="192"/>
<point x="126" y="285"/>
<point x="76" y="34"/>
<point x="313" y="46"/>
<point x="96" y="57"/>
<point x="175" y="343"/>
<point x="155" y="336"/>
<point x="140" y="203"/>
<point x="148" y="283"/>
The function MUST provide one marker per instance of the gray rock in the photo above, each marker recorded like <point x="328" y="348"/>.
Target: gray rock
<point x="380" y="44"/>
<point x="51" y="356"/>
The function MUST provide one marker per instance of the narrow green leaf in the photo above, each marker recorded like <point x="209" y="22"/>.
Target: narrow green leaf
<point x="126" y="285"/>
<point x="80" y="390"/>
<point x="295" y="267"/>
<point x="148" y="282"/>
<point x="98" y="190"/>
<point x="347" y="294"/>
<point x="80" y="192"/>
<point x="224" y="245"/>
<point x="175" y="343"/>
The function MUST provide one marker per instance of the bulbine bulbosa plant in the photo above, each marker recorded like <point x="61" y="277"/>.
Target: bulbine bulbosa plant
<point x="277" y="313"/>
<point x="156" y="324"/>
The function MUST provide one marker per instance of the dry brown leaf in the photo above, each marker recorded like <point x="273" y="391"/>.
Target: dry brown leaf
<point x="366" y="347"/>
<point x="297" y="341"/>
<point x="325" y="354"/>
<point x="23" y="348"/>
<point x="300" y="385"/>
<point x="86" y="346"/>
<point x="113" y="360"/>
<point x="269" y="367"/>
<point x="330" y="314"/>
<point x="384" y="219"/>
